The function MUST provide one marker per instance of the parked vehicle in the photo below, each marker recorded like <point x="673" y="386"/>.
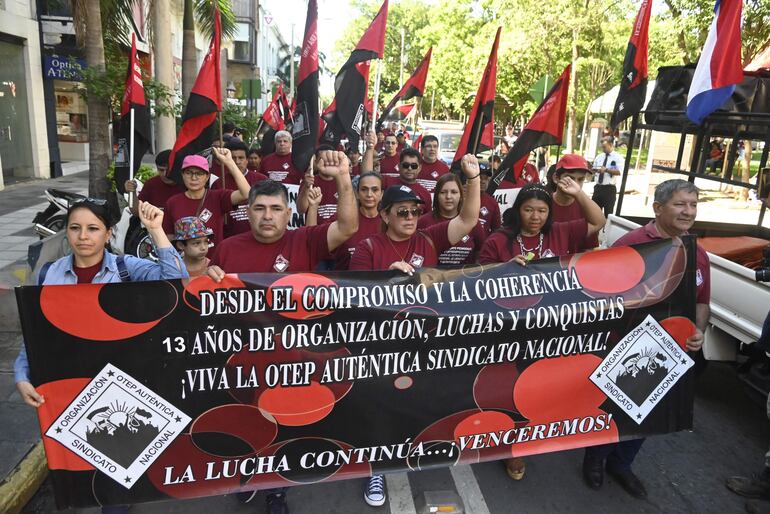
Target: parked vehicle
<point x="128" y="235"/>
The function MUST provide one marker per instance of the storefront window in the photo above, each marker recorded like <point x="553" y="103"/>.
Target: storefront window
<point x="71" y="113"/>
<point x="15" y="144"/>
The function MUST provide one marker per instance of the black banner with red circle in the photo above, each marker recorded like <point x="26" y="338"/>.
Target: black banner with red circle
<point x="311" y="377"/>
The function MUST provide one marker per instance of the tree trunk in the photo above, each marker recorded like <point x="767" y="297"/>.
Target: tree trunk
<point x="98" y="108"/>
<point x="165" y="126"/>
<point x="746" y="171"/>
<point x="189" y="54"/>
<point x="571" y="115"/>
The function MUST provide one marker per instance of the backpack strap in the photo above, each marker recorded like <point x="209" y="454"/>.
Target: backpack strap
<point x="125" y="276"/>
<point x="43" y="272"/>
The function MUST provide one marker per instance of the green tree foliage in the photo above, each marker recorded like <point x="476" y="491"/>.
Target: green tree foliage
<point x="537" y="39"/>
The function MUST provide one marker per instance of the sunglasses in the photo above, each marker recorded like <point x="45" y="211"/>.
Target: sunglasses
<point x="405" y="213"/>
<point x="410" y="165"/>
<point x="194" y="173"/>
<point x="92" y="201"/>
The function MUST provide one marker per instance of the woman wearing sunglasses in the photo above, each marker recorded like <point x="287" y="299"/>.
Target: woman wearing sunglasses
<point x="447" y="201"/>
<point x="88" y="231"/>
<point x="402" y="246"/>
<point x="529" y="233"/>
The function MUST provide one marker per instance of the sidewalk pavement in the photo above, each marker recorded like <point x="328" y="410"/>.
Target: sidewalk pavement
<point x="22" y="461"/>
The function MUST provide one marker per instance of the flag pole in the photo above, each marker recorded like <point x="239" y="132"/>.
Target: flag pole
<point x="131" y="196"/>
<point x="376" y="93"/>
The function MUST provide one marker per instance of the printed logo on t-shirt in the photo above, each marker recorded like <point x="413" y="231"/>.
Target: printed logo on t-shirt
<point x="281" y="264"/>
<point x="286" y="165"/>
<point x="417" y="260"/>
<point x="546" y="254"/>
<point x="465" y="239"/>
<point x="205" y="215"/>
<point x="484" y="211"/>
<point x="698" y="278"/>
<point x="434" y="174"/>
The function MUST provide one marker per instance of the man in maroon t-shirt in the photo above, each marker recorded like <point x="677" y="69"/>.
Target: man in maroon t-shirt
<point x="237" y="219"/>
<point x="489" y="214"/>
<point x="327" y="185"/>
<point x="432" y="167"/>
<point x="278" y="166"/>
<point x="675" y="206"/>
<point x="409" y="169"/>
<point x="270" y="247"/>
<point x="390" y="158"/>
<point x="158" y="189"/>
<point x="210" y="206"/>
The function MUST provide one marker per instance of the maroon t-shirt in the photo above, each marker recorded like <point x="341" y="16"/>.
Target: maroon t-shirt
<point x="649" y="233"/>
<point x="417" y="188"/>
<point x="559" y="241"/>
<point x="157" y="192"/>
<point x="573" y="211"/>
<point x="464" y="251"/>
<point x="238" y="218"/>
<point x="378" y="252"/>
<point x="528" y="175"/>
<point x="298" y="250"/>
<point x="280" y="168"/>
<point x="328" y="207"/>
<point x="389" y="166"/>
<point x="366" y="227"/>
<point x="430" y="173"/>
<point x="86" y="275"/>
<point x="489" y="213"/>
<point x="212" y="212"/>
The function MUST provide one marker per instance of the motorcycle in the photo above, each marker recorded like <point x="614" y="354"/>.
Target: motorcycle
<point x="129" y="237"/>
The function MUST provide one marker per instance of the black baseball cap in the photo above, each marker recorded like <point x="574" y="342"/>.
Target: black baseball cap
<point x="485" y="169"/>
<point x="395" y="194"/>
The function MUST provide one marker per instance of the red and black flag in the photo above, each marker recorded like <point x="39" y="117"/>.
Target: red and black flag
<point x="304" y="130"/>
<point x="199" y="119"/>
<point x="479" y="131"/>
<point x="399" y="113"/>
<point x="413" y="87"/>
<point x="633" y="85"/>
<point x="546" y="127"/>
<point x="276" y="117"/>
<point x="133" y="100"/>
<point x="347" y="114"/>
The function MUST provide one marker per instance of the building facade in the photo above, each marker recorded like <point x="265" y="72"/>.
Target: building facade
<point x="24" y="151"/>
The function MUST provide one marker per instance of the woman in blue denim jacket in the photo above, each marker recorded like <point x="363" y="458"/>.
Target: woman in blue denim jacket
<point x="88" y="231"/>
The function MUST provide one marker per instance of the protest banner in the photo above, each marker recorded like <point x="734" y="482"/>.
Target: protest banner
<point x="180" y="389"/>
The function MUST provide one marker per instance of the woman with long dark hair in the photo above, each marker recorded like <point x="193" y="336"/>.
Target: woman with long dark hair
<point x="529" y="233"/>
<point x="448" y="200"/>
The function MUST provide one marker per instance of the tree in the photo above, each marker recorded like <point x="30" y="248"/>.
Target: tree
<point x="200" y="12"/>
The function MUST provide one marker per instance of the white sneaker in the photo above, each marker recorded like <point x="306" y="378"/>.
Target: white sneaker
<point x="374" y="494"/>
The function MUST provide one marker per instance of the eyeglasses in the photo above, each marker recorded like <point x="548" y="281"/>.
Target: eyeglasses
<point x="194" y="173"/>
<point x="405" y="213"/>
<point x="93" y="201"/>
<point x="410" y="165"/>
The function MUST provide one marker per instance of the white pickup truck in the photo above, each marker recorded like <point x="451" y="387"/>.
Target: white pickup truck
<point x="739" y="304"/>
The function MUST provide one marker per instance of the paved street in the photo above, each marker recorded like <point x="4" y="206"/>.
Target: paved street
<point x="684" y="472"/>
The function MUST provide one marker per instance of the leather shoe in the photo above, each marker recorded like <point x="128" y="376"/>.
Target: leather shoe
<point x="593" y="472"/>
<point x="630" y="483"/>
<point x="755" y="486"/>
